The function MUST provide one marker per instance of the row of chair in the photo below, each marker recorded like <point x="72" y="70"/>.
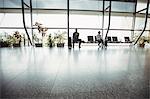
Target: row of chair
<point x="113" y="39"/>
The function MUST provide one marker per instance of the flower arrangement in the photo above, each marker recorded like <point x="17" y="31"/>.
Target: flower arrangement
<point x="41" y="28"/>
<point x="16" y="39"/>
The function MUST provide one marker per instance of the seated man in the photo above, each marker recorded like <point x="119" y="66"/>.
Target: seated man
<point x="76" y="38"/>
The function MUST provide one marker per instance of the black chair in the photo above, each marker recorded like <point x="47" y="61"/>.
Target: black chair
<point x="90" y="39"/>
<point x="115" y="39"/>
<point x="69" y="42"/>
<point x="109" y="39"/>
<point x="127" y="40"/>
<point x="95" y="39"/>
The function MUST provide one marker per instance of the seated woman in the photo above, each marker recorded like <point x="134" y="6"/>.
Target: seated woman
<point x="99" y="38"/>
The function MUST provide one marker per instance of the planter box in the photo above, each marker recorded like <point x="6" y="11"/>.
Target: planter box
<point x="60" y="44"/>
<point x="51" y="45"/>
<point x="4" y="44"/>
<point x="142" y="45"/>
<point x="38" y="45"/>
<point x="16" y="45"/>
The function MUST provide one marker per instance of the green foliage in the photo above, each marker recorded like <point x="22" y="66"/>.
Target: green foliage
<point x="60" y="37"/>
<point x="142" y="40"/>
<point x="9" y="40"/>
<point x="51" y="40"/>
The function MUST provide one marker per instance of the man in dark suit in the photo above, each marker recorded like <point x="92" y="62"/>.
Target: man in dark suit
<point x="76" y="38"/>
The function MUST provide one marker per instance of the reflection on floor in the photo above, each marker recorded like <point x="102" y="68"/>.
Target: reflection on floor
<point x="86" y="73"/>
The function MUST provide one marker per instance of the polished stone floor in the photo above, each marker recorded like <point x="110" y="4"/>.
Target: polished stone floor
<point x="86" y="73"/>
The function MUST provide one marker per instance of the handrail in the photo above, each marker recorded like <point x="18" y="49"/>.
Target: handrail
<point x="146" y="16"/>
<point x="22" y="2"/>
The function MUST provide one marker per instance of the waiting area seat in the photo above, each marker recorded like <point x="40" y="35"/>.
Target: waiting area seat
<point x="90" y="39"/>
<point x="96" y="39"/>
<point x="115" y="39"/>
<point x="109" y="40"/>
<point x="127" y="40"/>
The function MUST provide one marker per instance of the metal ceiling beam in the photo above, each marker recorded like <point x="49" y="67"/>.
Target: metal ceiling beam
<point x="24" y="23"/>
<point x="103" y="18"/>
<point x="113" y="0"/>
<point x="141" y="10"/>
<point x="68" y="25"/>
<point x="133" y="21"/>
<point x="26" y="5"/>
<point x="108" y="19"/>
<point x="72" y="11"/>
<point x="107" y="8"/>
<point x="31" y="20"/>
<point x="146" y="16"/>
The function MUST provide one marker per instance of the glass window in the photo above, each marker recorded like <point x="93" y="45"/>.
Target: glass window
<point x="85" y="21"/>
<point x="1" y="4"/>
<point x="137" y="33"/>
<point x="86" y="4"/>
<point x="50" y="4"/>
<point x="123" y="6"/>
<point x="119" y="22"/>
<point x="51" y="20"/>
<point x="11" y="20"/>
<point x="148" y="24"/>
<point x="12" y="3"/>
<point x="140" y="6"/>
<point x="149" y="10"/>
<point x="139" y="23"/>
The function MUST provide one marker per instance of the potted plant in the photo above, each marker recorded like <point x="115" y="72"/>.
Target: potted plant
<point x="38" y="41"/>
<point x="5" y="40"/>
<point x="60" y="37"/>
<point x="11" y="40"/>
<point x="142" y="40"/>
<point x="5" y="43"/>
<point x="51" y="41"/>
<point x="16" y="39"/>
<point x="42" y="30"/>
